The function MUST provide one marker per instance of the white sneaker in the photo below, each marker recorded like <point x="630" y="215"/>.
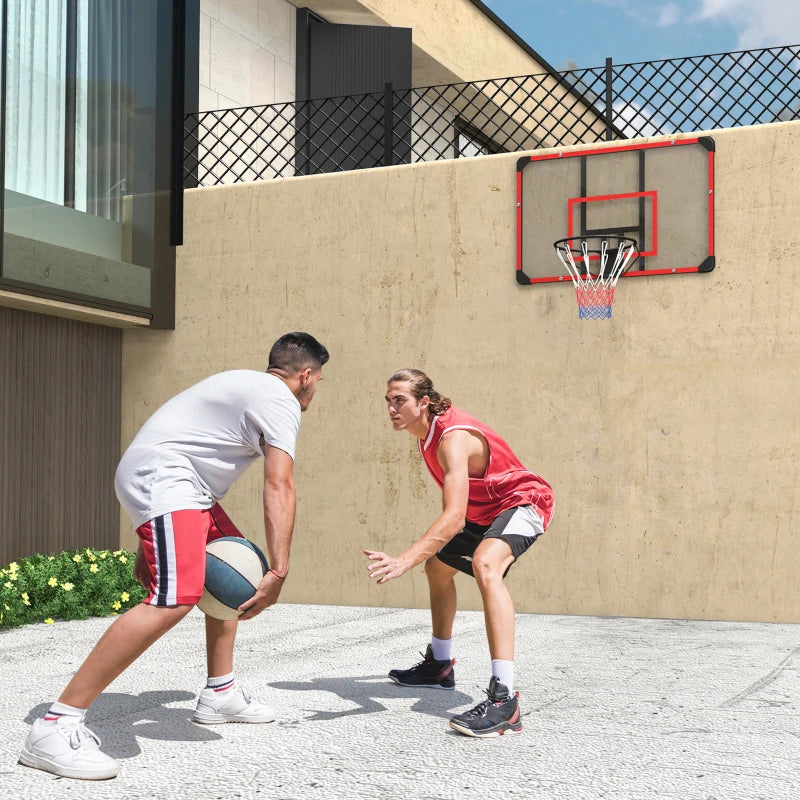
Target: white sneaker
<point x="68" y="748"/>
<point x="232" y="705"/>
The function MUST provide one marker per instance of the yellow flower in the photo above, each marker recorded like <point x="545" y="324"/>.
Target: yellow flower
<point x="12" y="576"/>
<point x="123" y="560"/>
<point x="67" y="587"/>
<point x="25" y="599"/>
<point x="94" y="568"/>
<point x="52" y="582"/>
<point x="48" y="621"/>
<point x="125" y="597"/>
<point x="113" y="614"/>
<point x="8" y="584"/>
<point x="116" y="605"/>
<point x="104" y="554"/>
<point x="13" y="566"/>
<point x="92" y="558"/>
<point x="51" y="558"/>
<point x="77" y="557"/>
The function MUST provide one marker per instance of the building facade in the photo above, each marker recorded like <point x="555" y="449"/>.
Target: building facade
<point x="92" y="103"/>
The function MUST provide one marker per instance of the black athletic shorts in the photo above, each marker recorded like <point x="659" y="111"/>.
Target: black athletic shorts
<point x="519" y="527"/>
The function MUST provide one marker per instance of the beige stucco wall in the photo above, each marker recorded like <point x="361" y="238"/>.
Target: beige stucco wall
<point x="669" y="433"/>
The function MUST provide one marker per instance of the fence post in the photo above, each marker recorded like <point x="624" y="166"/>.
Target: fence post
<point x="388" y="127"/>
<point x="609" y="102"/>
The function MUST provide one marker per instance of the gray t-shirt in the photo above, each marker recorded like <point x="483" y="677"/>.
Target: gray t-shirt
<point x="189" y="453"/>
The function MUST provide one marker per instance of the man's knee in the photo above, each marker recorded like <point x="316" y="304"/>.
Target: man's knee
<point x="437" y="570"/>
<point x="487" y="568"/>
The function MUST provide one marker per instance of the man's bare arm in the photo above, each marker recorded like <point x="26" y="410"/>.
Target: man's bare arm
<point x="279" y="513"/>
<point x="454" y="452"/>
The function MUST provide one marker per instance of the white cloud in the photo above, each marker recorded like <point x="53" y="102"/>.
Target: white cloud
<point x="760" y="23"/>
<point x="635" y="121"/>
<point x="669" y="14"/>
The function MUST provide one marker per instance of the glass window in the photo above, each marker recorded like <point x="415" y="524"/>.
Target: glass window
<point x="469" y="141"/>
<point x="86" y="201"/>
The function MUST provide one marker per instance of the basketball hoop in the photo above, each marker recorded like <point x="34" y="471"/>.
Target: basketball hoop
<point x="595" y="264"/>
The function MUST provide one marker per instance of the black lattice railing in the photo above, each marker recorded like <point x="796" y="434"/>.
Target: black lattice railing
<point x="502" y="115"/>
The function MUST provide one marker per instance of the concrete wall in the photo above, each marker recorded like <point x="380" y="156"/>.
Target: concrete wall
<point x="669" y="433"/>
<point x="247" y="53"/>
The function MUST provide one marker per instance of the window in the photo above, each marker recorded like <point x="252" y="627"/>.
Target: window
<point x="469" y="141"/>
<point x="87" y="150"/>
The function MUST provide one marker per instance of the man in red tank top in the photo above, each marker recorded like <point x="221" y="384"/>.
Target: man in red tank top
<point x="493" y="510"/>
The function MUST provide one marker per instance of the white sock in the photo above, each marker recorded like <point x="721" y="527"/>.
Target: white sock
<point x="58" y="710"/>
<point x="221" y="683"/>
<point x="441" y="649"/>
<point x="504" y="672"/>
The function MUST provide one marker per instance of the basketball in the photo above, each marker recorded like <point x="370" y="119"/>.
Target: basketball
<point x="234" y="568"/>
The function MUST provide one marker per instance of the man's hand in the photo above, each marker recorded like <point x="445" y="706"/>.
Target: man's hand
<point x="385" y="568"/>
<point x="266" y="595"/>
<point x="140" y="569"/>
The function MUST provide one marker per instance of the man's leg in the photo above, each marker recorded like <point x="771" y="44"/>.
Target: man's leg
<point x="443" y="598"/>
<point x="60" y="743"/>
<point x="499" y="713"/>
<point x="436" y="670"/>
<point x="492" y="558"/>
<point x="122" y="643"/>
<point x="220" y="636"/>
<point x="223" y="699"/>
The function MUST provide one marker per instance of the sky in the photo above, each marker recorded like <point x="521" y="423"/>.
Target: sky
<point x="583" y="33"/>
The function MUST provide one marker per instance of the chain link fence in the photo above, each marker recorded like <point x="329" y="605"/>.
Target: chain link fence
<point x="494" y="116"/>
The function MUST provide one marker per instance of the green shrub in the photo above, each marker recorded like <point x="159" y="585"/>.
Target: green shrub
<point x="75" y="584"/>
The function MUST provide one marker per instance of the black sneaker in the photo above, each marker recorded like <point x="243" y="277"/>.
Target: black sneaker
<point x="428" y="673"/>
<point x="492" y="717"/>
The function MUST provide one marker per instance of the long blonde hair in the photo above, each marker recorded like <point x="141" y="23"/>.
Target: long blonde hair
<point x="421" y="385"/>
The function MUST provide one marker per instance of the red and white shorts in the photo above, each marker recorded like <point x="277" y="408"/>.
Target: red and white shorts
<point x="174" y="546"/>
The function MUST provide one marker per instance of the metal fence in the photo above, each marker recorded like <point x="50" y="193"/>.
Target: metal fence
<point x="493" y="116"/>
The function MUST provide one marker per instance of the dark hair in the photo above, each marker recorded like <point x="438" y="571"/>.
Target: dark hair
<point x="421" y="385"/>
<point x="294" y="352"/>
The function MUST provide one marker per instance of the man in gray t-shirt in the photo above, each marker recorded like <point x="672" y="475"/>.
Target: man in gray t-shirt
<point x="170" y="479"/>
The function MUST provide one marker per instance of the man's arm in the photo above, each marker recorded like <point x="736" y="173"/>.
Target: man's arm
<point x="279" y="511"/>
<point x="454" y="451"/>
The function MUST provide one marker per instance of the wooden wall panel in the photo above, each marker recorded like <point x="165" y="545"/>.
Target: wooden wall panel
<point x="59" y="434"/>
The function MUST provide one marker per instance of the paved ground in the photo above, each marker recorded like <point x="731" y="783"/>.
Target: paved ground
<point x="613" y="708"/>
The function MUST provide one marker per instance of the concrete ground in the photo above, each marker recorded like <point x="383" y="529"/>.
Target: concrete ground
<point x="613" y="708"/>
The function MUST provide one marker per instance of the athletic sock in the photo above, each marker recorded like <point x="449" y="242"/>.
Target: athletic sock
<point x="221" y="683"/>
<point x="504" y="672"/>
<point x="441" y="649"/>
<point x="58" y="710"/>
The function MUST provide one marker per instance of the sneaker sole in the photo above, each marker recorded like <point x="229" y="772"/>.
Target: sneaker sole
<point x="28" y="759"/>
<point x="422" y="685"/>
<point x="498" y="731"/>
<point x="219" y="719"/>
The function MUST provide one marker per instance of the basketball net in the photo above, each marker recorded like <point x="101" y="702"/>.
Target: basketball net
<point x="595" y="271"/>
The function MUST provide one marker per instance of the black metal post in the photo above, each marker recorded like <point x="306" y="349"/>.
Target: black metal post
<point x="388" y="125"/>
<point x="178" y="107"/>
<point x="609" y="102"/>
<point x="70" y="95"/>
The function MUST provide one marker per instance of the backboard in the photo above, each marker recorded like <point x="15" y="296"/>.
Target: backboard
<point x="659" y="193"/>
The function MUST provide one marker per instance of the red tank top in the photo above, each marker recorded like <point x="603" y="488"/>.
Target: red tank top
<point x="506" y="483"/>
